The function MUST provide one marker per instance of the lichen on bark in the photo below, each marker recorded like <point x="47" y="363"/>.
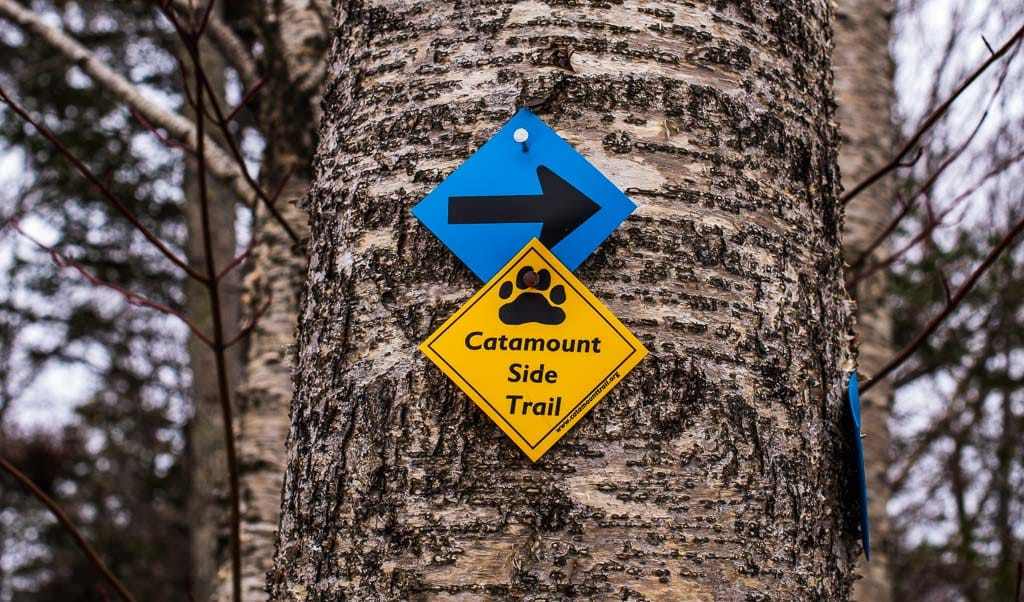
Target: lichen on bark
<point x="718" y="468"/>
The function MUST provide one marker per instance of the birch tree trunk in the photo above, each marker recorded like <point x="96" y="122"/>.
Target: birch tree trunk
<point x="293" y="34"/>
<point x="718" y="469"/>
<point x="864" y="73"/>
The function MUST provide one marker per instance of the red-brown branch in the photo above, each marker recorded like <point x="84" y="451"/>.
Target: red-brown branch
<point x="247" y="328"/>
<point x="1005" y="243"/>
<point x="241" y="256"/>
<point x="202" y="82"/>
<point x="932" y="223"/>
<point x="235" y="262"/>
<point x="65" y="522"/>
<point x="932" y="119"/>
<point x="104" y="190"/>
<point x="168" y="142"/>
<point x="927" y="184"/>
<point x="193" y="46"/>
<point x="253" y="89"/>
<point x="63" y="261"/>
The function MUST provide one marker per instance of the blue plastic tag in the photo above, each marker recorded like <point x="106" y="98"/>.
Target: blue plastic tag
<point x="854" y="395"/>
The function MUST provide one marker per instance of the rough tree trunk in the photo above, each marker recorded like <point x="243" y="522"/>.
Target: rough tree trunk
<point x="864" y="93"/>
<point x="294" y="37"/>
<point x="717" y="469"/>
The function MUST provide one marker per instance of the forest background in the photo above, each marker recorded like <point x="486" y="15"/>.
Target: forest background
<point x="98" y="405"/>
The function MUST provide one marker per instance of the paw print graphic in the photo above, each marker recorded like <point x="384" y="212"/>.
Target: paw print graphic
<point x="534" y="303"/>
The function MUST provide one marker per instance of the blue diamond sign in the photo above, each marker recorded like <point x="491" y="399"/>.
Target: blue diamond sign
<point x="523" y="183"/>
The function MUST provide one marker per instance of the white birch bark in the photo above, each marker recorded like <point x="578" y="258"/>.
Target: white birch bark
<point x="718" y="469"/>
<point x="294" y="39"/>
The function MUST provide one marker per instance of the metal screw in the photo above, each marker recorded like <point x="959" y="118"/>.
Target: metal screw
<point x="531" y="279"/>
<point x="521" y="136"/>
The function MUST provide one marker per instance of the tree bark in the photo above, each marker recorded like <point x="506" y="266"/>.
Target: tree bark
<point x="864" y="75"/>
<point x="294" y="37"/>
<point x="718" y="469"/>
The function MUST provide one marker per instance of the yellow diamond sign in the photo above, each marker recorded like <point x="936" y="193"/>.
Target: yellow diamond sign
<point x="534" y="349"/>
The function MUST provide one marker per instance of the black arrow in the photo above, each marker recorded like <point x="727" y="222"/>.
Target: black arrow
<point x="560" y="208"/>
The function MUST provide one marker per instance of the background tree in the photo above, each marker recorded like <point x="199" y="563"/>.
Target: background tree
<point x="957" y="503"/>
<point x="293" y="38"/>
<point x="118" y="465"/>
<point x="864" y="95"/>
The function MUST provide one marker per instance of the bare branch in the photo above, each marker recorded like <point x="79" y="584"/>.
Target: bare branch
<point x="249" y="93"/>
<point x="952" y="304"/>
<point x="218" y="162"/>
<point x="168" y="142"/>
<point x="63" y="261"/>
<point x="933" y="223"/>
<point x="248" y="327"/>
<point x="241" y="256"/>
<point x="907" y="205"/>
<point x="219" y="346"/>
<point x="931" y="119"/>
<point x="103" y="189"/>
<point x="236" y="261"/>
<point x="987" y="45"/>
<point x="204" y="20"/>
<point x="227" y="43"/>
<point x="65" y="522"/>
<point x="945" y="285"/>
<point x="910" y="162"/>
<point x="203" y="83"/>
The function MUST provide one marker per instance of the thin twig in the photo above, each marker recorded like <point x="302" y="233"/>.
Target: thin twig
<point x="65" y="522"/>
<point x="907" y="205"/>
<point x="996" y="170"/>
<point x="236" y="261"/>
<point x="205" y="19"/>
<point x="987" y="45"/>
<point x="951" y="305"/>
<point x="218" y="161"/>
<point x="63" y="261"/>
<point x="253" y="89"/>
<point x="933" y="223"/>
<point x="913" y="160"/>
<point x="241" y="256"/>
<point x="223" y="124"/>
<point x="893" y="257"/>
<point x="931" y="119"/>
<point x="168" y="142"/>
<point x="229" y="45"/>
<point x="103" y="188"/>
<point x="218" y="329"/>
<point x="247" y="328"/>
<point x="280" y="185"/>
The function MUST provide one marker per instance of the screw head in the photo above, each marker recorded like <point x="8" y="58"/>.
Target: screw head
<point x="520" y="135"/>
<point x="531" y="279"/>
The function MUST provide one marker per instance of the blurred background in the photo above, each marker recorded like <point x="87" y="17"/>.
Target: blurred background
<point x="97" y="395"/>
